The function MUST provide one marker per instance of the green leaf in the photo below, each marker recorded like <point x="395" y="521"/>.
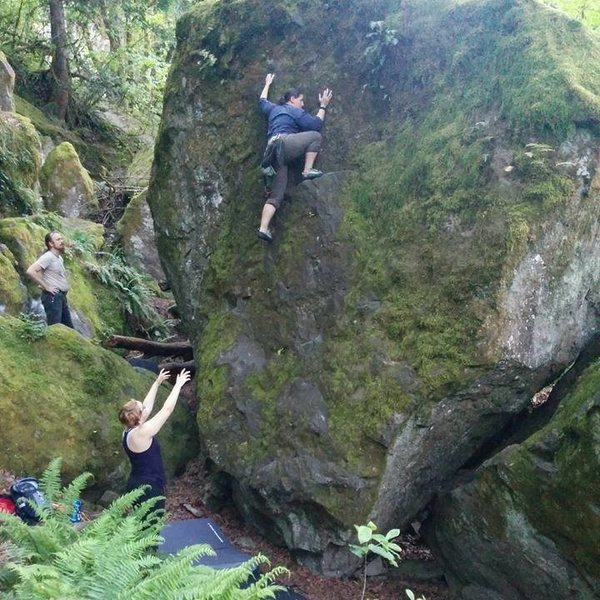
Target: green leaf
<point x="410" y="594"/>
<point x="364" y="534"/>
<point x="392" y="533"/>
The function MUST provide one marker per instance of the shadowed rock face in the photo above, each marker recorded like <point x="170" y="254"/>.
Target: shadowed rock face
<point x="535" y="502"/>
<point x="415" y="297"/>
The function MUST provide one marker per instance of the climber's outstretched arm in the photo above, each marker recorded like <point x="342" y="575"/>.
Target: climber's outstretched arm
<point x="268" y="81"/>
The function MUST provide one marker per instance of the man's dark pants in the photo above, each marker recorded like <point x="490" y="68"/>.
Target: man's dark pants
<point x="57" y="308"/>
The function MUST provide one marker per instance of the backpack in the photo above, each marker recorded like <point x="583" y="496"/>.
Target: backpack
<point x="273" y="158"/>
<point x="24" y="492"/>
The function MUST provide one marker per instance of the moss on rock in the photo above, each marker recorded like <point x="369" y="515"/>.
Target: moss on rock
<point x="537" y="503"/>
<point x="61" y="395"/>
<point x="398" y="282"/>
<point x="12" y="291"/>
<point x="20" y="162"/>
<point x="66" y="186"/>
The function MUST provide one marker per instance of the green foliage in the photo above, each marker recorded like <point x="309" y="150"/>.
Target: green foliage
<point x="133" y="290"/>
<point x="586" y="11"/>
<point x="119" y="51"/>
<point x="32" y="328"/>
<point x="381" y="38"/>
<point x="369" y="541"/>
<point x="412" y="596"/>
<point x="113" y="556"/>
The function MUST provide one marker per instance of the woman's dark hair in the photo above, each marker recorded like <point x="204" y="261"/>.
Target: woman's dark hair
<point x="291" y="93"/>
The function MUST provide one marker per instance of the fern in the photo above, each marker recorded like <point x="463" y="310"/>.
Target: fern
<point x="113" y="556"/>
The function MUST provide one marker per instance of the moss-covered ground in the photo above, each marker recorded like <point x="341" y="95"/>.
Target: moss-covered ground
<point x="61" y="394"/>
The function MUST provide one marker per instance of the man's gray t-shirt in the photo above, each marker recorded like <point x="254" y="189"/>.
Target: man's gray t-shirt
<point x="53" y="271"/>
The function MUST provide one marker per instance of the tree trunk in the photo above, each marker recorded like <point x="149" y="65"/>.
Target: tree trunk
<point x="149" y="347"/>
<point x="60" y="64"/>
<point x="112" y="26"/>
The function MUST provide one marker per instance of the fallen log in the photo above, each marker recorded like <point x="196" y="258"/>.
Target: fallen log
<point x="149" y="347"/>
<point x="176" y="367"/>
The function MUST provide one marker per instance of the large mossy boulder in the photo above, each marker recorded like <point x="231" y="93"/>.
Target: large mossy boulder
<point x="410" y="308"/>
<point x="95" y="308"/>
<point x="66" y="186"/>
<point x="526" y="525"/>
<point x="60" y="395"/>
<point x="136" y="229"/>
<point x="20" y="162"/>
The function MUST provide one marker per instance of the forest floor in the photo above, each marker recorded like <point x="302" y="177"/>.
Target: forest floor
<point x="188" y="490"/>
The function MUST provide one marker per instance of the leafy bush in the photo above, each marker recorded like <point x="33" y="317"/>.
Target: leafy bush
<point x="112" y="556"/>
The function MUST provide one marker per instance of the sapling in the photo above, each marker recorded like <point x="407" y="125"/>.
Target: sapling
<point x="371" y="541"/>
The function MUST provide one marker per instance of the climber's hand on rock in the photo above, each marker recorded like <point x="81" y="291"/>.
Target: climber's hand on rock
<point x="269" y="78"/>
<point x="325" y="97"/>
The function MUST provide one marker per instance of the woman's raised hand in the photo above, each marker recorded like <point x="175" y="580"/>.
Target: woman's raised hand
<point x="269" y="78"/>
<point x="163" y="376"/>
<point x="183" y="377"/>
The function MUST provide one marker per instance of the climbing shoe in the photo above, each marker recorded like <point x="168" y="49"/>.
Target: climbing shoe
<point x="312" y="174"/>
<point x="266" y="236"/>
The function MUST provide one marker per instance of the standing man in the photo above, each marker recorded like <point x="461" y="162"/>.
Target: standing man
<point x="300" y="133"/>
<point x="48" y="271"/>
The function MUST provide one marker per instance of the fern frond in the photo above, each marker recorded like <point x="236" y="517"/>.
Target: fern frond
<point x="50" y="480"/>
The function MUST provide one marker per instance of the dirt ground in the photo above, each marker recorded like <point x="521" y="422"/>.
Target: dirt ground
<point x="186" y="490"/>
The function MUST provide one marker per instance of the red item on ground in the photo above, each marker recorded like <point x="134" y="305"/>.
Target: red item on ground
<point x="7" y="505"/>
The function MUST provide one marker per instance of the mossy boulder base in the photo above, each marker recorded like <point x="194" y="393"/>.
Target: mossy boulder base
<point x="61" y="396"/>
<point x="414" y="299"/>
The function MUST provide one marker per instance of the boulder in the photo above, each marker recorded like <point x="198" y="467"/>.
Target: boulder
<point x="13" y="293"/>
<point x="65" y="184"/>
<point x="136" y="229"/>
<point x="20" y="162"/>
<point x="407" y="310"/>
<point x="525" y="526"/>
<point x="7" y="84"/>
<point x="69" y="407"/>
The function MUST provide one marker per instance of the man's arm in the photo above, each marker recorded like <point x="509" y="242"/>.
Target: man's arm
<point x="35" y="272"/>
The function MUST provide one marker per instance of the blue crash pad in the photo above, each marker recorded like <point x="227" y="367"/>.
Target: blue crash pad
<point x="180" y="534"/>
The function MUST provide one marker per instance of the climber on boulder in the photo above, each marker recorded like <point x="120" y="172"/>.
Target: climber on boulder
<point x="299" y="131"/>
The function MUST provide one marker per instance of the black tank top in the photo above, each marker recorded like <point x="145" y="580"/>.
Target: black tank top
<point x="146" y="466"/>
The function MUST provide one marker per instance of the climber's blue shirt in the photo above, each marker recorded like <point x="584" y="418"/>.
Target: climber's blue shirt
<point x="285" y="118"/>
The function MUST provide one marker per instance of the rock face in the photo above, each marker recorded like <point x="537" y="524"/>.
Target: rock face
<point x="526" y="525"/>
<point x="414" y="299"/>
<point x="7" y="84"/>
<point x="78" y="419"/>
<point x="12" y="292"/>
<point x="20" y="162"/>
<point x="136" y="229"/>
<point x="66" y="186"/>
